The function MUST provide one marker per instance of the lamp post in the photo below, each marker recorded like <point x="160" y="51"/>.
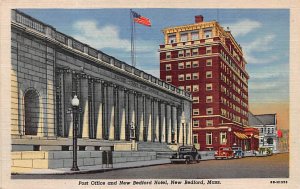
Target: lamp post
<point x="183" y="134"/>
<point x="75" y="105"/>
<point x="229" y="130"/>
<point x="251" y="145"/>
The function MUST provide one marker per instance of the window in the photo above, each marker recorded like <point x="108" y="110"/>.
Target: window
<point x="181" y="77"/>
<point x="172" y="38"/>
<point x="209" y="74"/>
<point x="188" y="88"/>
<point x="209" y="111"/>
<point x="188" y="64"/>
<point x="188" y="77"/>
<point x="195" y="35"/>
<point x="180" y="65"/>
<point x="208" y="138"/>
<point x="180" y="53"/>
<point x="195" y="111"/>
<point x="195" y="138"/>
<point x="195" y="64"/>
<point x="183" y="37"/>
<point x="168" y="78"/>
<point x="208" y="86"/>
<point x="209" y="62"/>
<point x="195" y="76"/>
<point x="223" y="138"/>
<point x="195" y="88"/>
<point x="195" y="99"/>
<point x="208" y="50"/>
<point x="195" y="52"/>
<point x="196" y="123"/>
<point x="208" y="33"/>
<point x="209" y="123"/>
<point x="168" y="55"/>
<point x="187" y="52"/>
<point x="168" y="67"/>
<point x="209" y="99"/>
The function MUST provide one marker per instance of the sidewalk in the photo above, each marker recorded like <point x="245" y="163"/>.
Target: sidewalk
<point x="97" y="168"/>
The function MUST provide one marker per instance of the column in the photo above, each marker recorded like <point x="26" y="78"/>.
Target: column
<point x="181" y="125"/>
<point x="168" y="126"/>
<point x="84" y="105"/>
<point x="104" y="110"/>
<point x="156" y="120"/>
<point x="68" y="105"/>
<point x="110" y="112"/>
<point x="163" y="121"/>
<point x="98" y="110"/>
<point x="149" y="112"/>
<point x="122" y="100"/>
<point x="141" y="116"/>
<point x="174" y="126"/>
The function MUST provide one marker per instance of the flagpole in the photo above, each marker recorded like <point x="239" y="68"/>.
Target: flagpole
<point x="132" y="23"/>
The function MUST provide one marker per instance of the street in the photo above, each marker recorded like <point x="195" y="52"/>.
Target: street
<point x="276" y="166"/>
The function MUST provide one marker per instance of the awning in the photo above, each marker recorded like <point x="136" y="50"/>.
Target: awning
<point x="240" y="135"/>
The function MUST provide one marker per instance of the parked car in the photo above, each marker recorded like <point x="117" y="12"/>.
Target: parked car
<point x="186" y="154"/>
<point x="238" y="152"/>
<point x="224" y="153"/>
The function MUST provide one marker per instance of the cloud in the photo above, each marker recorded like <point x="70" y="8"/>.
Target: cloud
<point x="89" y="32"/>
<point x="243" y="27"/>
<point x="253" y="50"/>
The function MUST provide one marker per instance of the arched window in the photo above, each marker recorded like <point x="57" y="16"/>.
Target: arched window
<point x="32" y="112"/>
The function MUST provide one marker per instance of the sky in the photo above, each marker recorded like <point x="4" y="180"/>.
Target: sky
<point x="262" y="33"/>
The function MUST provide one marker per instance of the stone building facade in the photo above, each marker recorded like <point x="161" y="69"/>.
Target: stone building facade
<point x="49" y="68"/>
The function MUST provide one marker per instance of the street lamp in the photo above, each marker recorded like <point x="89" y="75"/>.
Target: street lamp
<point x="251" y="145"/>
<point x="75" y="105"/>
<point x="229" y="130"/>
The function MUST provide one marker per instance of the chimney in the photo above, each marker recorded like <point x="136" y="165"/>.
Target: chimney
<point x="198" y="18"/>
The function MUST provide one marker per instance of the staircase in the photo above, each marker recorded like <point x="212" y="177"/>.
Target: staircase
<point x="162" y="150"/>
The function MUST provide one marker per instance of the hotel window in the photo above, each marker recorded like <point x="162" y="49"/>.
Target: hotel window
<point x="181" y="77"/>
<point x="195" y="88"/>
<point x="208" y="33"/>
<point x="195" y="51"/>
<point x="195" y="111"/>
<point x="208" y="138"/>
<point x="209" y="111"/>
<point x="188" y="52"/>
<point x="180" y="53"/>
<point x="196" y="123"/>
<point x="209" y="74"/>
<point x="209" y="62"/>
<point x="195" y="99"/>
<point x="188" y="88"/>
<point x="209" y="99"/>
<point x="168" y="67"/>
<point x="195" y="76"/>
<point x="183" y="37"/>
<point x="209" y="123"/>
<point x="223" y="138"/>
<point x="180" y="65"/>
<point x="209" y="87"/>
<point x="195" y="35"/>
<point x="188" y="77"/>
<point x="168" y="78"/>
<point x="172" y="39"/>
<point x="208" y="50"/>
<point x="195" y="64"/>
<point x="188" y="64"/>
<point x="168" y="55"/>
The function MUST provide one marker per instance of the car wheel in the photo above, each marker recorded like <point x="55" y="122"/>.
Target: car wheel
<point x="187" y="161"/>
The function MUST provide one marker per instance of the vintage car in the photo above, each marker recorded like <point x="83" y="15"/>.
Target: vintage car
<point x="186" y="154"/>
<point x="224" y="153"/>
<point x="238" y="152"/>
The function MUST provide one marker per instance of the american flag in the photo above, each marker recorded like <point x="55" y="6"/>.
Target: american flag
<point x="140" y="19"/>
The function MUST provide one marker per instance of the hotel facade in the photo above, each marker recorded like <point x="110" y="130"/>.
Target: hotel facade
<point x="203" y="58"/>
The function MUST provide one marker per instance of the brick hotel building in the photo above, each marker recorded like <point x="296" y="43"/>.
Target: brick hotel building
<point x="205" y="59"/>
